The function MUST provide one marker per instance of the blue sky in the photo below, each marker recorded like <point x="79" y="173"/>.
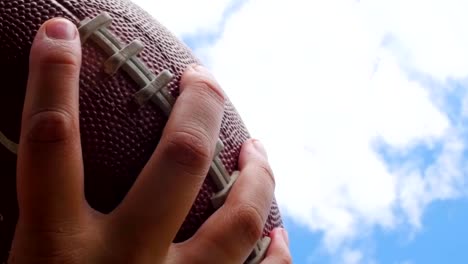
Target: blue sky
<point x="443" y="240"/>
<point x="362" y="106"/>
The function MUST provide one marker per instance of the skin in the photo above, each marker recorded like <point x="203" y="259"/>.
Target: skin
<point x="56" y="225"/>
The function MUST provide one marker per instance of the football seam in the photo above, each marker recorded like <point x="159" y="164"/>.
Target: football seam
<point x="8" y="144"/>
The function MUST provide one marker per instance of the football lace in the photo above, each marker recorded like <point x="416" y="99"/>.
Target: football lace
<point x="154" y="88"/>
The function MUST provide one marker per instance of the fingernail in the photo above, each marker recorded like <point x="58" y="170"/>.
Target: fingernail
<point x="285" y="235"/>
<point x="259" y="147"/>
<point x="61" y="29"/>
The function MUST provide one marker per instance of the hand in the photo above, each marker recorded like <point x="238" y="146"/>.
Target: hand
<point x="56" y="225"/>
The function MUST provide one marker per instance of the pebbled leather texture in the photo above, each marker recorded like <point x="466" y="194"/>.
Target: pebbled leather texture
<point x="118" y="136"/>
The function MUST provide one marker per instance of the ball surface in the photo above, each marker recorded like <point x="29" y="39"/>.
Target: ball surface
<point x="118" y="135"/>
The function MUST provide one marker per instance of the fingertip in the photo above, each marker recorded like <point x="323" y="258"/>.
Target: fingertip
<point x="198" y="76"/>
<point x="252" y="149"/>
<point x="284" y="235"/>
<point x="56" y="42"/>
<point x="279" y="235"/>
<point x="260" y="148"/>
<point x="278" y="252"/>
<point x="57" y="30"/>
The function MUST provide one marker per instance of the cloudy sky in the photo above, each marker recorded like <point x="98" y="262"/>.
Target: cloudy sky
<point x="363" y="110"/>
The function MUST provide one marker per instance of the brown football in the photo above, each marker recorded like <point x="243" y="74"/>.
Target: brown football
<point x="119" y="131"/>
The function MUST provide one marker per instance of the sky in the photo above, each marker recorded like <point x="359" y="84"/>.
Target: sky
<point x="363" y="109"/>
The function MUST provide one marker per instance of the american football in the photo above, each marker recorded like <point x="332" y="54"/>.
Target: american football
<point x="131" y="68"/>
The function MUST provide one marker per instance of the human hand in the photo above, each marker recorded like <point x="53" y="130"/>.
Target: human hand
<point x="56" y="224"/>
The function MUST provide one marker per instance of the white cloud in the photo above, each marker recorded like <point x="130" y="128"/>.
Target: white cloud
<point x="403" y="110"/>
<point x="319" y="90"/>
<point x="432" y="33"/>
<point x="444" y="179"/>
<point x="352" y="257"/>
<point x="319" y="83"/>
<point x="182" y="16"/>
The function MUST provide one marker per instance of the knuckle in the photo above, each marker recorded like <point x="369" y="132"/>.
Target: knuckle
<point x="63" y="245"/>
<point x="62" y="56"/>
<point x="189" y="149"/>
<point x="50" y="126"/>
<point x="53" y="57"/>
<point x="210" y="87"/>
<point x="65" y="64"/>
<point x="249" y="221"/>
<point x="56" y="52"/>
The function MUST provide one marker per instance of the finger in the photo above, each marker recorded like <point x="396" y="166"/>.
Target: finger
<point x="50" y="168"/>
<point x="167" y="187"/>
<point x="278" y="252"/>
<point x="231" y="232"/>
